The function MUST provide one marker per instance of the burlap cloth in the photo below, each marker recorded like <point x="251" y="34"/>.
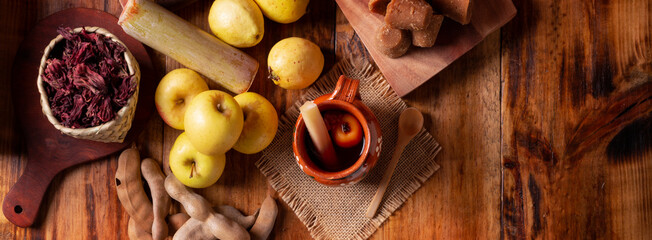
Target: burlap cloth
<point x="338" y="212"/>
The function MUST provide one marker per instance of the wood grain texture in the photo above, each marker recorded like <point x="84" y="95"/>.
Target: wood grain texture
<point x="561" y="72"/>
<point x="577" y="82"/>
<point x="50" y="150"/>
<point x="83" y="197"/>
<point x="418" y="65"/>
<point x="461" y="106"/>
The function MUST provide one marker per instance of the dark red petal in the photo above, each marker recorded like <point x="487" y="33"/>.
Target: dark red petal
<point x="89" y="82"/>
<point x="83" y="77"/>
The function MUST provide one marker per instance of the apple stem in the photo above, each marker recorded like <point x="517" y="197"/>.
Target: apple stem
<point x="192" y="169"/>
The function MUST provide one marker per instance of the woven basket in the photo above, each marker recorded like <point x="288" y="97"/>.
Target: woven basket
<point x="111" y="131"/>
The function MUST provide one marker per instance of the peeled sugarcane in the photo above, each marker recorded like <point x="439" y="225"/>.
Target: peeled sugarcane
<point x="160" y="29"/>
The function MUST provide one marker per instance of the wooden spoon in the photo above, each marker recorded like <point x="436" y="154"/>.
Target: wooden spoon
<point x="409" y="124"/>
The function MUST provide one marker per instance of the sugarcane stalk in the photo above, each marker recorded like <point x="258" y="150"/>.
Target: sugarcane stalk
<point x="175" y="37"/>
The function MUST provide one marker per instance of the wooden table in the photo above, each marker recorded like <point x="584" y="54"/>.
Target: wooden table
<point x="546" y="129"/>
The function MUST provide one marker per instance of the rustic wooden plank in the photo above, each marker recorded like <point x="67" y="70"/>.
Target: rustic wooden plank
<point x="13" y="25"/>
<point x="418" y="65"/>
<point x="348" y="42"/>
<point x="86" y="216"/>
<point x="575" y="141"/>
<point x="577" y="76"/>
<point x="45" y="160"/>
<point x="462" y="199"/>
<point x="462" y="104"/>
<point x="289" y="226"/>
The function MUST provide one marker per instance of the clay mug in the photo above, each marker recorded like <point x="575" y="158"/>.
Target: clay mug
<point x="345" y="98"/>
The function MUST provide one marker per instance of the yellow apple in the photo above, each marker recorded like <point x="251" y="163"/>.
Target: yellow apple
<point x="174" y="92"/>
<point x="295" y="63"/>
<point x="213" y="122"/>
<point x="260" y="123"/>
<point x="237" y="22"/>
<point x="192" y="168"/>
<point x="283" y="11"/>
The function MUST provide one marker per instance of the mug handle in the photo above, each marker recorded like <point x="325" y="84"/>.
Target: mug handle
<point x="346" y="89"/>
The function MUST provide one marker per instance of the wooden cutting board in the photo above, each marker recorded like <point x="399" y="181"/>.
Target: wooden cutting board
<point x="49" y="151"/>
<point x="418" y="65"/>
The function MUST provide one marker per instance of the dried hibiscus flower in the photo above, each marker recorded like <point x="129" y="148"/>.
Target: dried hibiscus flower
<point x="87" y="79"/>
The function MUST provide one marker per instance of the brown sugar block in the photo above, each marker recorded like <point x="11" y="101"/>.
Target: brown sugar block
<point x="458" y="10"/>
<point x="408" y="14"/>
<point x="427" y="37"/>
<point x="378" y="6"/>
<point x="393" y="42"/>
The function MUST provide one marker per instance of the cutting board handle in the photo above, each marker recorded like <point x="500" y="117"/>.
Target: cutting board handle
<point x="22" y="203"/>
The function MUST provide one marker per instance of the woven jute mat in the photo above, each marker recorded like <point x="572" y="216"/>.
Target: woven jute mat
<point x="338" y="212"/>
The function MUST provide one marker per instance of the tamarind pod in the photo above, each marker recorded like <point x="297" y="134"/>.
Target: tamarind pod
<point x="236" y="216"/>
<point x="193" y="229"/>
<point x="265" y="221"/>
<point x="129" y="188"/>
<point x="160" y="200"/>
<point x="199" y="209"/>
<point x="225" y="229"/>
<point x="196" y="206"/>
<point x="135" y="233"/>
<point x="175" y="222"/>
